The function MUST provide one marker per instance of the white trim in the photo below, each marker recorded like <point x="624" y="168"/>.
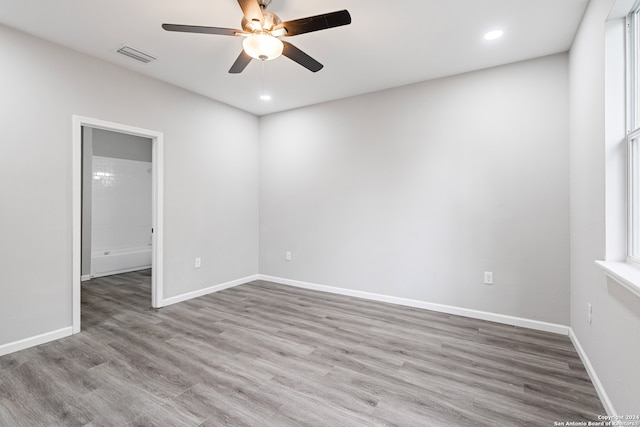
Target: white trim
<point x="157" y="206"/>
<point x="157" y="221"/>
<point x="632" y="204"/>
<point x="209" y="290"/>
<point x="76" y="220"/>
<point x="85" y="277"/>
<point x="631" y="63"/>
<point x="628" y="276"/>
<point x="34" y="341"/>
<point x="602" y="394"/>
<point x="459" y="311"/>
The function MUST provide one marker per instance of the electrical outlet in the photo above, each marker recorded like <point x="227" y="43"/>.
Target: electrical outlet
<point x="287" y="256"/>
<point x="198" y="262"/>
<point x="589" y="312"/>
<point x="488" y="278"/>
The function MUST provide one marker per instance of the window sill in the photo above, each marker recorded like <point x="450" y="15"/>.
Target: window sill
<point x="623" y="273"/>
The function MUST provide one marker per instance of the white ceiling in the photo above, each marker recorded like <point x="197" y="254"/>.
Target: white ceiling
<point x="388" y="44"/>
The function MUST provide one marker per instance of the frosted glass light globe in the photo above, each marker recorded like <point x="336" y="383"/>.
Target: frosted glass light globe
<point x="263" y="46"/>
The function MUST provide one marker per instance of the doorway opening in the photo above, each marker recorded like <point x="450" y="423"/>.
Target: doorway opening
<point x="86" y="261"/>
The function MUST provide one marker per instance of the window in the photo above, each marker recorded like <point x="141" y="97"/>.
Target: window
<point x="633" y="133"/>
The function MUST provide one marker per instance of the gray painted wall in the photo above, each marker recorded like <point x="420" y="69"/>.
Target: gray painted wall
<point x="414" y="192"/>
<point x="211" y="179"/>
<point x="612" y="340"/>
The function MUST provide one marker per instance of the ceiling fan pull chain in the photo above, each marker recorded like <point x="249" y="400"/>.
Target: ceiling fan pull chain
<point x="263" y="94"/>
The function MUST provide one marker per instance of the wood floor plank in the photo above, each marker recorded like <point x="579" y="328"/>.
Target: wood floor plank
<point x="272" y="355"/>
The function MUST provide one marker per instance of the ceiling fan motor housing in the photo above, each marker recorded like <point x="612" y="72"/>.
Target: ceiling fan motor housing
<point x="270" y="21"/>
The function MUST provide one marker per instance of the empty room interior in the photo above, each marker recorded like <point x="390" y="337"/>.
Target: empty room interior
<point x="329" y="213"/>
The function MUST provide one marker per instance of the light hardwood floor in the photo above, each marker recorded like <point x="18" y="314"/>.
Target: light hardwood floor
<point x="264" y="354"/>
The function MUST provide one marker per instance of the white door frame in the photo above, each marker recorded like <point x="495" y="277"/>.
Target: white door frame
<point x="157" y="139"/>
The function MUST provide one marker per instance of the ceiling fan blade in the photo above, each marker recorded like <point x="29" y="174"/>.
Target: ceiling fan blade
<point x="295" y="54"/>
<point x="316" y="23"/>
<point x="202" y="30"/>
<point x="241" y="63"/>
<point x="252" y="11"/>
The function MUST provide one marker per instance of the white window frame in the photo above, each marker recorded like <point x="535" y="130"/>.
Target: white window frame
<point x="633" y="134"/>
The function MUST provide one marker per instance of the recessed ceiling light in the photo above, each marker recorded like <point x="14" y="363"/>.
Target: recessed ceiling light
<point x="492" y="35"/>
<point x="265" y="97"/>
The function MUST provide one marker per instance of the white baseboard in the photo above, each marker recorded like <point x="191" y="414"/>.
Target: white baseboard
<point x="475" y="314"/>
<point x="189" y="295"/>
<point x="34" y="341"/>
<point x="85" y="277"/>
<point x="602" y="394"/>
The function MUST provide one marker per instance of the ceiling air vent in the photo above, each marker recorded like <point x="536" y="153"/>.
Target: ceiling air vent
<point x="136" y="54"/>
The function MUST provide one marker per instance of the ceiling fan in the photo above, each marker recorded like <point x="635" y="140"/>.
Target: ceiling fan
<point x="262" y="30"/>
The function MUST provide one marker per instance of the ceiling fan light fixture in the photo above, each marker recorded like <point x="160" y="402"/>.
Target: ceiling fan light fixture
<point x="263" y="46"/>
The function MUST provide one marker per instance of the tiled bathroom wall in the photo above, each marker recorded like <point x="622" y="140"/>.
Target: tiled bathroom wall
<point x="121" y="204"/>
